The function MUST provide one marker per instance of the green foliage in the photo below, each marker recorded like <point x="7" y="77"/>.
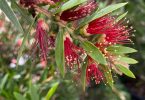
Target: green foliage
<point x="128" y="60"/>
<point x="121" y="17"/>
<point x="83" y="76"/>
<point x="51" y="91"/>
<point x="120" y="49"/>
<point x="3" y="82"/>
<point x="10" y="14"/>
<point x="59" y="53"/>
<point x="69" y="4"/>
<point x="34" y="92"/>
<point x="94" y="52"/>
<point x="19" y="96"/>
<point x="125" y="71"/>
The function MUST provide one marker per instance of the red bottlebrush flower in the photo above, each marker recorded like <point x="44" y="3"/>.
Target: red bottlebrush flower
<point x="41" y="39"/>
<point x="72" y="52"/>
<point x="100" y="25"/>
<point x="93" y="73"/>
<point x="79" y="12"/>
<point x="115" y="32"/>
<point x="118" y="34"/>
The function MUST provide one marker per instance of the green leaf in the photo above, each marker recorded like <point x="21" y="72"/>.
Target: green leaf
<point x="3" y="81"/>
<point x="70" y="4"/>
<point x="51" y="91"/>
<point x="126" y="71"/>
<point x="22" y="11"/>
<point x="59" y="52"/>
<point x="101" y="13"/>
<point x="120" y="49"/>
<point x="24" y="41"/>
<point x="19" y="96"/>
<point x="127" y="60"/>
<point x="121" y="17"/>
<point x="94" y="52"/>
<point x="34" y="92"/>
<point x="44" y="75"/>
<point x="10" y="14"/>
<point x="83" y="73"/>
<point x="107" y="75"/>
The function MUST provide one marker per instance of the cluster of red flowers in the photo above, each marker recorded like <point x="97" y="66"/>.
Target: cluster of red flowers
<point x="112" y="33"/>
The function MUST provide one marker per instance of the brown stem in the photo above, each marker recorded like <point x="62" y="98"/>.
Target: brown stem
<point x="43" y="11"/>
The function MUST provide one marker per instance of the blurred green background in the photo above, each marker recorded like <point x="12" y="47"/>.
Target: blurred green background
<point x="33" y="81"/>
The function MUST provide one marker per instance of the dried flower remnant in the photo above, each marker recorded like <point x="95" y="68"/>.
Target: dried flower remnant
<point x="41" y="39"/>
<point x="79" y="12"/>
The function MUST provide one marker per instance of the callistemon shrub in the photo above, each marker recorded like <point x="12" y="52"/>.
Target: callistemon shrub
<point x="86" y="41"/>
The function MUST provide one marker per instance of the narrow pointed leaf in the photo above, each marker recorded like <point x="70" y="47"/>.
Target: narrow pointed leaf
<point x="10" y="14"/>
<point x="83" y="73"/>
<point x="59" y="52"/>
<point x="128" y="60"/>
<point x="120" y="49"/>
<point x="3" y="81"/>
<point x="69" y="4"/>
<point x="126" y="71"/>
<point x="121" y="17"/>
<point x="51" y="91"/>
<point x="94" y="52"/>
<point x="22" y="11"/>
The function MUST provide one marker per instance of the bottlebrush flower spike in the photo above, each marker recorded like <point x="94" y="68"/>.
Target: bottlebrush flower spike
<point x="41" y="39"/>
<point x="79" y="12"/>
<point x="93" y="73"/>
<point x="115" y="32"/>
<point x="100" y="25"/>
<point x="72" y="52"/>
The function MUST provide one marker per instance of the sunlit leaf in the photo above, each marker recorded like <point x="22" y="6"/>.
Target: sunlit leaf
<point x="120" y="49"/>
<point x="51" y="91"/>
<point x="127" y="60"/>
<point x="126" y="71"/>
